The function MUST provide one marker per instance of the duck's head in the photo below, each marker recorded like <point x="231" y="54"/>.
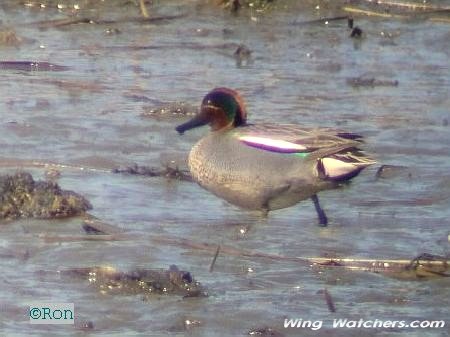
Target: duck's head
<point x="221" y="108"/>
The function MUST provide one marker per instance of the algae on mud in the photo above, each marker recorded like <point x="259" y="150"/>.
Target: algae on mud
<point x="23" y="197"/>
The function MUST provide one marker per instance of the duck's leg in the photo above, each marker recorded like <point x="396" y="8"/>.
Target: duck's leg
<point x="264" y="212"/>
<point x="323" y="220"/>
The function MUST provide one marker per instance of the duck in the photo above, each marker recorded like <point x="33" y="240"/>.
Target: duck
<point x="268" y="166"/>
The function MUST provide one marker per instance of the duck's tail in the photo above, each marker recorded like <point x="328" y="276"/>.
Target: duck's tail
<point x="343" y="165"/>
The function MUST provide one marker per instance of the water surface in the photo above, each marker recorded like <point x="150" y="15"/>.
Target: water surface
<point x="89" y="116"/>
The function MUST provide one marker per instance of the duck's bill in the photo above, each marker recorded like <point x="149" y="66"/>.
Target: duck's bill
<point x="193" y="123"/>
<point x="205" y="116"/>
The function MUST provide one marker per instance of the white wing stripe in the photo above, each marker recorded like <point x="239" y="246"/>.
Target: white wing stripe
<point x="273" y="143"/>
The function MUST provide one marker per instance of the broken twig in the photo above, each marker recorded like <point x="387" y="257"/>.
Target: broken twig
<point x="329" y="300"/>
<point x="213" y="262"/>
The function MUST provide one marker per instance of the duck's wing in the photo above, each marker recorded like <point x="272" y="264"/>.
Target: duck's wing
<point x="291" y="138"/>
<point x="336" y="152"/>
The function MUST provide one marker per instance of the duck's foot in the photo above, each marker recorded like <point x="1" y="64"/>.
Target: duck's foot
<point x="323" y="220"/>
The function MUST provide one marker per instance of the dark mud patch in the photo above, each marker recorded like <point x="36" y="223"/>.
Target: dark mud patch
<point x="23" y="197"/>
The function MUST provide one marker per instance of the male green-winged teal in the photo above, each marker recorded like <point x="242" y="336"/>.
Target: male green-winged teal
<point x="268" y="166"/>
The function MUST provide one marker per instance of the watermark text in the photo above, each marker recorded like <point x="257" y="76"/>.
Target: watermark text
<point x="51" y="313"/>
<point x="362" y="324"/>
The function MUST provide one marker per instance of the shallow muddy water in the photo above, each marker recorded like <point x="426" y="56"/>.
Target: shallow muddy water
<point x="88" y="116"/>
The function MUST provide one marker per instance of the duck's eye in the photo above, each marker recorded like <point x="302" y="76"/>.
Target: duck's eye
<point x="187" y="277"/>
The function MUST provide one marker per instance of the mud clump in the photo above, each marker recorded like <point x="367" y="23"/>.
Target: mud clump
<point x="145" y="282"/>
<point x="23" y="197"/>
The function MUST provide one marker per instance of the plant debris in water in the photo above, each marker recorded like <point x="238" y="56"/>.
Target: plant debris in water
<point x="265" y="332"/>
<point x="329" y="300"/>
<point x="22" y="197"/>
<point x="176" y="109"/>
<point x="31" y="66"/>
<point x="390" y="171"/>
<point x="242" y="56"/>
<point x="363" y="81"/>
<point x="167" y="172"/>
<point x="235" y="5"/>
<point x="423" y="267"/>
<point x="400" y="10"/>
<point x="93" y="225"/>
<point x="145" y="282"/>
